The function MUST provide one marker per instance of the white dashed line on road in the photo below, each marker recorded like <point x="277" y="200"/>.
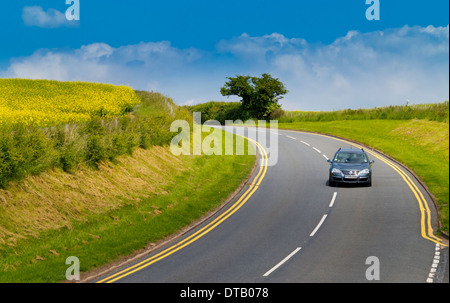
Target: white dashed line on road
<point x="282" y="261"/>
<point x="298" y="248"/>
<point x="333" y="199"/>
<point x="318" y="226"/>
<point x="304" y="142"/>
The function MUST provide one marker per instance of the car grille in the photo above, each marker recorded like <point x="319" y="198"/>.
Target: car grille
<point x="350" y="172"/>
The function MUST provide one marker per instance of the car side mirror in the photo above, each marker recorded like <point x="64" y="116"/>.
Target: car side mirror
<point x="371" y="161"/>
<point x="329" y="161"/>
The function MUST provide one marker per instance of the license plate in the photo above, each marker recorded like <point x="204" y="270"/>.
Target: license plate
<point x="351" y="177"/>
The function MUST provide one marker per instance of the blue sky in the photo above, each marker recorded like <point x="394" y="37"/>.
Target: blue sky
<point x="327" y="53"/>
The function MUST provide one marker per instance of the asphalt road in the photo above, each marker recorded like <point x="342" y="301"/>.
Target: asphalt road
<point x="288" y="225"/>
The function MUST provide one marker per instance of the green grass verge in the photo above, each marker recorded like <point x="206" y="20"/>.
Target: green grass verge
<point x="421" y="145"/>
<point x="102" y="238"/>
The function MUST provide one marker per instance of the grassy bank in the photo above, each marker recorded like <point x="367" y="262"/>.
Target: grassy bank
<point x="170" y="194"/>
<point x="421" y="145"/>
<point x="101" y="189"/>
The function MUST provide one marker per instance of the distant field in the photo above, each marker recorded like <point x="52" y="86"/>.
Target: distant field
<point x="434" y="112"/>
<point x="49" y="103"/>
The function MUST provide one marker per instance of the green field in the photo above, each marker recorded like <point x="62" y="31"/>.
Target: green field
<point x="433" y="112"/>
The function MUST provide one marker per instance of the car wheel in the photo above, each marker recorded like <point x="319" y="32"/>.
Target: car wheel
<point x="331" y="182"/>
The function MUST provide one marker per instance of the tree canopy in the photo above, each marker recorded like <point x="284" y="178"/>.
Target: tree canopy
<point x="260" y="95"/>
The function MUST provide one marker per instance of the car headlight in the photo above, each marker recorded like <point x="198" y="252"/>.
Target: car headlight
<point x="336" y="171"/>
<point x="364" y="171"/>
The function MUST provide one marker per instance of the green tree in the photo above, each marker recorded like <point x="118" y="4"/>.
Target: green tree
<point x="260" y="95"/>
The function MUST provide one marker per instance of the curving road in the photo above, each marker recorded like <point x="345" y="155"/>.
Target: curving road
<point x="288" y="225"/>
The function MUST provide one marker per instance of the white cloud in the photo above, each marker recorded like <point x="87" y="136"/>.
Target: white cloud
<point x="149" y="66"/>
<point x="357" y="70"/>
<point x="260" y="49"/>
<point x="55" y="65"/>
<point x="52" y="18"/>
<point x="95" y="51"/>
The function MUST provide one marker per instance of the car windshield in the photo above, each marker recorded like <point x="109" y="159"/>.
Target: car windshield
<point x="343" y="157"/>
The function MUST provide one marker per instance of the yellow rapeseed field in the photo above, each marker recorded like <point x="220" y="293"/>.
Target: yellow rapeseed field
<point x="46" y="102"/>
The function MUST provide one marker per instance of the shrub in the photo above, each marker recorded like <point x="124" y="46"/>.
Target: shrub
<point x="33" y="149"/>
<point x="219" y="111"/>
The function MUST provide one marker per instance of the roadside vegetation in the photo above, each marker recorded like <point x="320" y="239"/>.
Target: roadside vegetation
<point x="104" y="215"/>
<point x="30" y="149"/>
<point x="219" y="111"/>
<point x="433" y="112"/>
<point x="101" y="189"/>
<point x="259" y="100"/>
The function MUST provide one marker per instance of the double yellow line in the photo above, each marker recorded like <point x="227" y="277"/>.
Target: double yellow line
<point x="203" y="231"/>
<point x="425" y="219"/>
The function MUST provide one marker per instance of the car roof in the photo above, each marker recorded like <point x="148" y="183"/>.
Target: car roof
<point x="351" y="150"/>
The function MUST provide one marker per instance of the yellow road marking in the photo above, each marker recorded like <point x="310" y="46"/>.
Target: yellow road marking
<point x="425" y="219"/>
<point x="200" y="233"/>
<point x="426" y="228"/>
